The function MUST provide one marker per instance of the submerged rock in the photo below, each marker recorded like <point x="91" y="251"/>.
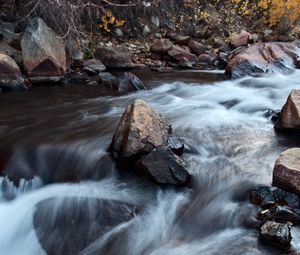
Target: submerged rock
<point x="69" y="225"/>
<point x="290" y="114"/>
<point x="277" y="234"/>
<point x="44" y="53"/>
<point x="273" y="57"/>
<point x="164" y="167"/>
<point x="281" y="214"/>
<point x="11" y="78"/>
<point x="286" y="172"/>
<point x="140" y="130"/>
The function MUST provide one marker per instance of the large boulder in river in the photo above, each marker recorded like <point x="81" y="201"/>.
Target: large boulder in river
<point x="290" y="114"/>
<point x="163" y="167"/>
<point x="115" y="58"/>
<point x="286" y="172"/>
<point x="277" y="234"/>
<point x="10" y="75"/>
<point x="69" y="225"/>
<point x="44" y="55"/>
<point x="273" y="57"/>
<point x="140" y="130"/>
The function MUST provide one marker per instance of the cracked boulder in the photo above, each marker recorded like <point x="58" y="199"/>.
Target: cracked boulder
<point x="140" y="131"/>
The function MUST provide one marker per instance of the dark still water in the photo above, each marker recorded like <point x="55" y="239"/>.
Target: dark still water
<point x="51" y="134"/>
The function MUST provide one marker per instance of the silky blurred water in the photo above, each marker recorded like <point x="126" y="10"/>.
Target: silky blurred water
<point x="231" y="148"/>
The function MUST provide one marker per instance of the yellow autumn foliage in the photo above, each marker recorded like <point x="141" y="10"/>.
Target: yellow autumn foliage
<point x="109" y="20"/>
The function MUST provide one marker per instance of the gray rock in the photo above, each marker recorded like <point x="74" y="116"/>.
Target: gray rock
<point x="43" y="52"/>
<point x="77" y="221"/>
<point x="164" y="167"/>
<point x="108" y="80"/>
<point x="93" y="66"/>
<point x="130" y="82"/>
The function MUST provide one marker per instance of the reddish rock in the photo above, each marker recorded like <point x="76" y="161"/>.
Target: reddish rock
<point x="43" y="52"/>
<point x="140" y="130"/>
<point x="182" y="56"/>
<point x="179" y="39"/>
<point x="161" y="46"/>
<point x="286" y="172"/>
<point x="10" y="75"/>
<point x="241" y="39"/>
<point x="276" y="57"/>
<point x="196" y="47"/>
<point x="290" y="114"/>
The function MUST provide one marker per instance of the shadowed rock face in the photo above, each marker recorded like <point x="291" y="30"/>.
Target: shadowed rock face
<point x="286" y="172"/>
<point x="273" y="57"/>
<point x="43" y="53"/>
<point x="10" y="74"/>
<point x="140" y="130"/>
<point x="163" y="167"/>
<point x="68" y="225"/>
<point x="290" y="114"/>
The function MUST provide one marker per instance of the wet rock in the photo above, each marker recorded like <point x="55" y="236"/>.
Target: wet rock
<point x="130" y="82"/>
<point x="185" y="58"/>
<point x="206" y="59"/>
<point x="43" y="53"/>
<point x="164" y="167"/>
<point x="277" y="234"/>
<point x="140" y="130"/>
<point x="108" y="80"/>
<point x="115" y="58"/>
<point x="267" y="196"/>
<point x="241" y="39"/>
<point x="11" y="78"/>
<point x="93" y="66"/>
<point x="161" y="46"/>
<point x="290" y="114"/>
<point x="176" y="145"/>
<point x="197" y="48"/>
<point x="281" y="214"/>
<point x="286" y="172"/>
<point x="69" y="225"/>
<point x="275" y="57"/>
<point x="76" y="77"/>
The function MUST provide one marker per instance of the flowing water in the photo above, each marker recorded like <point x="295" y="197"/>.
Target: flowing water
<point x="231" y="148"/>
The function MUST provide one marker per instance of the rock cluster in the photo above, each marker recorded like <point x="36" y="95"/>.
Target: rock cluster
<point x="143" y="139"/>
<point x="280" y="207"/>
<point x="261" y="58"/>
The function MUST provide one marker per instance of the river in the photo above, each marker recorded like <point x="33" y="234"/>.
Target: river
<point x="231" y="148"/>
